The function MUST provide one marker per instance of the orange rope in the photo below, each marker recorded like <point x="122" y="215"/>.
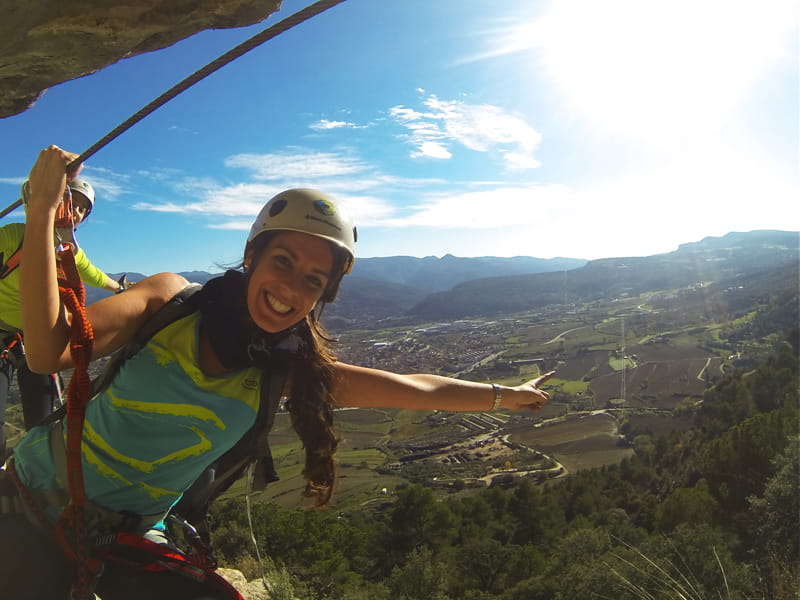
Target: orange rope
<point x="64" y="210"/>
<point x="72" y="522"/>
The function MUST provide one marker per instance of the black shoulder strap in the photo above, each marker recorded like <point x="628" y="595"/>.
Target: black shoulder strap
<point x="180" y="305"/>
<point x="252" y="448"/>
<point x="272" y="386"/>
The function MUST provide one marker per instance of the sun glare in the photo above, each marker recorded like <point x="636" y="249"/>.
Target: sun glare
<point x="657" y="70"/>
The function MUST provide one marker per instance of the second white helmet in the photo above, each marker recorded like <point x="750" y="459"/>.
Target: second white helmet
<point x="83" y="187"/>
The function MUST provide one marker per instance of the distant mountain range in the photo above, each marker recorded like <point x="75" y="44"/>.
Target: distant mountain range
<point x="434" y="274"/>
<point x="711" y="260"/>
<point x="433" y="289"/>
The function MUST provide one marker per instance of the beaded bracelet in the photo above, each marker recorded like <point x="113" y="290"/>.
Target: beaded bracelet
<point x="498" y="396"/>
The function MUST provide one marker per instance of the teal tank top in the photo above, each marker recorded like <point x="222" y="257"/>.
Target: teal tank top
<point x="155" y="429"/>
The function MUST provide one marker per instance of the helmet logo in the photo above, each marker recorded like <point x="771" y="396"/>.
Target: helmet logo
<point x="277" y="207"/>
<point x="324" y="208"/>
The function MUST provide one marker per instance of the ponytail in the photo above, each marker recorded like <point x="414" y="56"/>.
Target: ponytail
<point x="311" y="410"/>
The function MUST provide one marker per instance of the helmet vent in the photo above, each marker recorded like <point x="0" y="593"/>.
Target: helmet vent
<point x="277" y="207"/>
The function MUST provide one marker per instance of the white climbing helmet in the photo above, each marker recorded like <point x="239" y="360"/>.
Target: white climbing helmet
<point x="84" y="188"/>
<point x="308" y="211"/>
<point x="81" y="186"/>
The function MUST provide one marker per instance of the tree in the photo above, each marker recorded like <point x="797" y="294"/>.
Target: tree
<point x="644" y="448"/>
<point x="419" y="519"/>
<point x="483" y="563"/>
<point x="366" y="590"/>
<point x="739" y="462"/>
<point x="776" y="511"/>
<point x="539" y="517"/>
<point x="685" y="505"/>
<point x="420" y="578"/>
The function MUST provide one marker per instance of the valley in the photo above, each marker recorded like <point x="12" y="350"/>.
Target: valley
<point x="635" y="342"/>
<point x="625" y="366"/>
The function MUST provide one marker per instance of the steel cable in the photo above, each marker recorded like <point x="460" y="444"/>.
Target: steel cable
<point x="219" y="62"/>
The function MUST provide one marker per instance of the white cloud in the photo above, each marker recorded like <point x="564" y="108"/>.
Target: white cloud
<point x="485" y="209"/>
<point x="159" y="174"/>
<point x="179" y="129"/>
<point x="704" y="191"/>
<point x="713" y="187"/>
<point x="167" y="207"/>
<point x="367" y="210"/>
<point x="371" y="181"/>
<point x="109" y="185"/>
<point x="296" y="164"/>
<point x="516" y="160"/>
<point x="479" y="127"/>
<point x="325" y="124"/>
<point x="241" y="199"/>
<point x="708" y="191"/>
<point x="350" y="181"/>
<point x="432" y="150"/>
<point x="482" y="127"/>
<point x="232" y="225"/>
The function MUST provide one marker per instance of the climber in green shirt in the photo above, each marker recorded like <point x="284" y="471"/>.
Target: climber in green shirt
<point x="37" y="390"/>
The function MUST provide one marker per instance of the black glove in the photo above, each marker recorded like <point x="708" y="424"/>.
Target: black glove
<point x="123" y="282"/>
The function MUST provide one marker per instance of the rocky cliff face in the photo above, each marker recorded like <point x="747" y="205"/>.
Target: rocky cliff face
<point x="45" y="42"/>
<point x="250" y="590"/>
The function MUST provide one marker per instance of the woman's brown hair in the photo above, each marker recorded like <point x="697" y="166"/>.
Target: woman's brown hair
<point x="311" y="401"/>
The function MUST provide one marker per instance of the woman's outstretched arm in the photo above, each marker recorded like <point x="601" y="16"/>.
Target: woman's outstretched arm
<point x="363" y="387"/>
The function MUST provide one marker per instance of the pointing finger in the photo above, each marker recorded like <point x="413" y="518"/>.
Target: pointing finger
<point x="540" y="380"/>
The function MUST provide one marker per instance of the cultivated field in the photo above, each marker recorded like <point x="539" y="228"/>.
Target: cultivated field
<point x="577" y="441"/>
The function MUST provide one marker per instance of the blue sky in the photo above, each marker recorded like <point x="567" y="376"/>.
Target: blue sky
<point x="524" y="127"/>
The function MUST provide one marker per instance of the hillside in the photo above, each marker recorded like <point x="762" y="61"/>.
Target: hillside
<point x="710" y="260"/>
<point x="363" y="301"/>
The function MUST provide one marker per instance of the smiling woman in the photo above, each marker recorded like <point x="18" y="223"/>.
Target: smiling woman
<point x="174" y="412"/>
